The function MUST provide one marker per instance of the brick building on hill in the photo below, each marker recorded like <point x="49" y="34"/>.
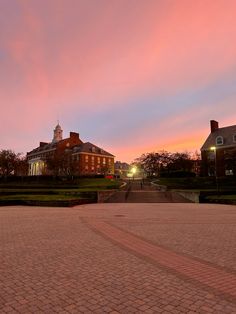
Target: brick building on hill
<point x="219" y="151"/>
<point x="69" y="156"/>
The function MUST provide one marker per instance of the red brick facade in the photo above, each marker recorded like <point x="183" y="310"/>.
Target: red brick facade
<point x="219" y="151"/>
<point x="72" y="156"/>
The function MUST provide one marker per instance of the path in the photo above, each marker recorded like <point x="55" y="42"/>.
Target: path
<point x="118" y="258"/>
<point x="139" y="191"/>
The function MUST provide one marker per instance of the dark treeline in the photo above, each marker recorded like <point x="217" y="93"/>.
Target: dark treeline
<point x="164" y="163"/>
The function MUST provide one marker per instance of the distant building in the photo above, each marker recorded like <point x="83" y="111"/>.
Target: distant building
<point x="219" y="151"/>
<point x="73" y="156"/>
<point x="121" y="168"/>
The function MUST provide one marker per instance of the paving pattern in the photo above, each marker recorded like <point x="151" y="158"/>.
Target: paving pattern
<point x="118" y="258"/>
<point x="213" y="277"/>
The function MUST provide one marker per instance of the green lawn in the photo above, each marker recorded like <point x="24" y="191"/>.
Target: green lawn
<point x="222" y="197"/>
<point x="92" y="184"/>
<point x="198" y="183"/>
<point x="185" y="183"/>
<point x="98" y="182"/>
<point x="35" y="197"/>
<point x="83" y="189"/>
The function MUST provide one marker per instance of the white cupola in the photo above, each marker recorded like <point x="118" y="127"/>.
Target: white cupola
<point x="57" y="133"/>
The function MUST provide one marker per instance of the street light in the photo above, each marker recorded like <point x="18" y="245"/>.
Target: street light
<point x="133" y="170"/>
<point x="213" y="148"/>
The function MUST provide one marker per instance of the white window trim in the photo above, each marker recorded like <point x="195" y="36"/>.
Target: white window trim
<point x="222" y="140"/>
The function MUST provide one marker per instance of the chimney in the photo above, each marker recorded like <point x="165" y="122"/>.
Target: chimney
<point x="41" y="144"/>
<point x="214" y="125"/>
<point x="74" y="138"/>
<point x="74" y="135"/>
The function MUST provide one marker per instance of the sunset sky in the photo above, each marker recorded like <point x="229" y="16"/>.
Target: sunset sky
<point x="131" y="76"/>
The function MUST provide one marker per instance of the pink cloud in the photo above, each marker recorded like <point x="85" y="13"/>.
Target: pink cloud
<point x="85" y="58"/>
<point x="156" y="49"/>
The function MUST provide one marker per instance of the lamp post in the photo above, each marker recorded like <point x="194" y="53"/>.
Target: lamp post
<point x="133" y="170"/>
<point x="213" y="148"/>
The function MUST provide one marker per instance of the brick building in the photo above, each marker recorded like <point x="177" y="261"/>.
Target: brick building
<point x="72" y="155"/>
<point x="219" y="151"/>
<point x="121" y="169"/>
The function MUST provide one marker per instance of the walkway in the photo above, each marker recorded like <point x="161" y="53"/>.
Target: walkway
<point x="138" y="191"/>
<point x="118" y="258"/>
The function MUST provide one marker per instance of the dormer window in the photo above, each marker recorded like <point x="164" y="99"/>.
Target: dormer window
<point x="219" y="140"/>
<point x="234" y="138"/>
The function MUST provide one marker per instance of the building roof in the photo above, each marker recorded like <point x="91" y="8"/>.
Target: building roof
<point x="72" y="143"/>
<point x="228" y="137"/>
<point x="82" y="148"/>
<point x="42" y="148"/>
<point x="90" y="148"/>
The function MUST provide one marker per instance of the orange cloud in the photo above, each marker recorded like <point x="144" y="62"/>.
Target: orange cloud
<point x="79" y="60"/>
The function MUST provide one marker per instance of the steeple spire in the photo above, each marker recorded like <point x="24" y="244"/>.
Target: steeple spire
<point x="57" y="133"/>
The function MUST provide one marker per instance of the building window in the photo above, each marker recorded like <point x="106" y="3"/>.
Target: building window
<point x="98" y="159"/>
<point x="86" y="158"/>
<point x="234" y="138"/>
<point x="86" y="167"/>
<point x="92" y="160"/>
<point x="104" y="160"/>
<point x="109" y="161"/>
<point x="219" y="140"/>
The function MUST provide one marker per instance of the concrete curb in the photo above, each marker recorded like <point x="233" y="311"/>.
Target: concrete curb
<point x="189" y="195"/>
<point x="123" y="185"/>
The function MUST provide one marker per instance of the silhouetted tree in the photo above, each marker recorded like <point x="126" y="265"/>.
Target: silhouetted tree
<point x="181" y="162"/>
<point x="157" y="163"/>
<point x="60" y="164"/>
<point x="105" y="169"/>
<point x="148" y="162"/>
<point x="9" y="161"/>
<point x="21" y="166"/>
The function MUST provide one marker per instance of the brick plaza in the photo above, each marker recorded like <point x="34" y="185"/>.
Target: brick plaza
<point x="118" y="258"/>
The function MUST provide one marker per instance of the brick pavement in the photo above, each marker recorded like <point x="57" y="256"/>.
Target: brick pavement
<point x="53" y="262"/>
<point x="188" y="229"/>
<point x="221" y="281"/>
